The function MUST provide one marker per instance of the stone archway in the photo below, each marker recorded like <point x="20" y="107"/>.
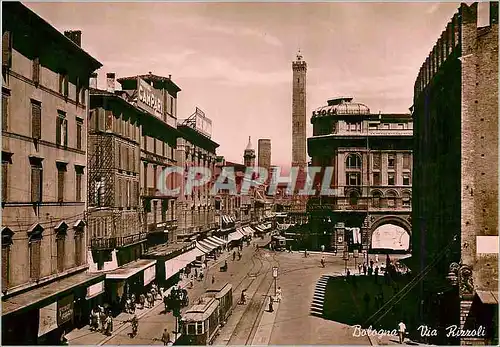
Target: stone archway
<point x="390" y="233"/>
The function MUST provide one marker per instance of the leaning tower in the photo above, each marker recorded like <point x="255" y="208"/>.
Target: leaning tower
<point x="299" y="68"/>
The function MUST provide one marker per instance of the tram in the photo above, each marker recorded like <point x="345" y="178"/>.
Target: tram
<point x="200" y="324"/>
<point x="224" y="295"/>
<point x="278" y="242"/>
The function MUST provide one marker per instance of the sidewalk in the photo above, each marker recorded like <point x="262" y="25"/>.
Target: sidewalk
<point x="265" y="328"/>
<point x="85" y="336"/>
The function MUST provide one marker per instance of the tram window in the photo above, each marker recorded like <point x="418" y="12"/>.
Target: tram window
<point x="199" y="328"/>
<point x="191" y="329"/>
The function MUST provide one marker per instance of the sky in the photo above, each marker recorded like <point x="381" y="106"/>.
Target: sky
<point x="233" y="60"/>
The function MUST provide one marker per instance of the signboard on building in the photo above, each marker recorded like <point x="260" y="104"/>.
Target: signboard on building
<point x="149" y="99"/>
<point x="65" y="310"/>
<point x="94" y="290"/>
<point x="48" y="319"/>
<point x="202" y="123"/>
<point x="149" y="275"/>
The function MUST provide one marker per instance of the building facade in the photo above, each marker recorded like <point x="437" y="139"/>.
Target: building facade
<point x="196" y="210"/>
<point x="264" y="153"/>
<point x="45" y="285"/>
<point x="455" y="205"/>
<point x="370" y="161"/>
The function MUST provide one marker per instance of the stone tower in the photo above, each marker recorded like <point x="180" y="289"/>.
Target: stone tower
<point x="264" y="149"/>
<point x="299" y="68"/>
<point x="249" y="154"/>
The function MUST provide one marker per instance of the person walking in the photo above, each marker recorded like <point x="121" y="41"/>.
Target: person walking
<point x="359" y="268"/>
<point x="322" y="248"/>
<point x="234" y="255"/>
<point x="279" y="294"/>
<point x="213" y="279"/>
<point x="165" y="337"/>
<point x="322" y="261"/>
<point x="271" y="304"/>
<point x="401" y="332"/>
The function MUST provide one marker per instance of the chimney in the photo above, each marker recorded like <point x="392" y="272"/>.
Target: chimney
<point x="110" y="82"/>
<point x="93" y="80"/>
<point x="169" y="77"/>
<point x="75" y="36"/>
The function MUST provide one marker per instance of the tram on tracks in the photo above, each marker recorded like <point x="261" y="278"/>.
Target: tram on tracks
<point x="278" y="242"/>
<point x="224" y="295"/>
<point x="200" y="324"/>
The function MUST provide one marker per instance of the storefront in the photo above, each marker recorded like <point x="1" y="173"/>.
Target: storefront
<point x="41" y="315"/>
<point x="134" y="277"/>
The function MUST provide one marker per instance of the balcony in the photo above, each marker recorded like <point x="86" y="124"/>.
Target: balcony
<point x="116" y="242"/>
<point x="162" y="226"/>
<point x="360" y="204"/>
<point x="153" y="193"/>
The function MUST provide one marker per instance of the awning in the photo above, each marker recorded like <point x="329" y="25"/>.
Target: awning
<point x="258" y="228"/>
<point x="241" y="231"/>
<point x="174" y="265"/>
<point x="248" y="230"/>
<point x="130" y="269"/>
<point x="211" y="243"/>
<point x="218" y="241"/>
<point x="234" y="236"/>
<point x="53" y="291"/>
<point x="203" y="246"/>
<point x="488" y="297"/>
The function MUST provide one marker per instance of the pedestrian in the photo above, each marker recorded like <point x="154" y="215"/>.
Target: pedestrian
<point x="290" y="250"/>
<point x="234" y="255"/>
<point x="279" y="294"/>
<point x="165" y="337"/>
<point x="305" y="253"/>
<point x="370" y="271"/>
<point x="376" y="258"/>
<point x="401" y="331"/>
<point x="243" y="298"/>
<point x="213" y="279"/>
<point x="322" y="248"/>
<point x="364" y="268"/>
<point x="376" y="274"/>
<point x="322" y="261"/>
<point x="271" y="304"/>
<point x="359" y="268"/>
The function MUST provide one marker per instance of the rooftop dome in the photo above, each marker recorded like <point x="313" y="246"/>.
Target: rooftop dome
<point x="341" y="106"/>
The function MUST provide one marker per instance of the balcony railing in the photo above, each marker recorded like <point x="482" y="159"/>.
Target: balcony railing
<point x="359" y="204"/>
<point x="117" y="242"/>
<point x="152" y="192"/>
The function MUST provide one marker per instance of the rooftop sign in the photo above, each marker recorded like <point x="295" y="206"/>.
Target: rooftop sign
<point x="149" y="99"/>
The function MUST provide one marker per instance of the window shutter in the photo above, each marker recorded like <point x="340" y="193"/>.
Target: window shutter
<point x="7" y="49"/>
<point x="78" y="248"/>
<point x="35" y="259"/>
<point x="60" y="253"/>
<point x="65" y="131"/>
<point x="5" y="267"/>
<point x="36" y="70"/>
<point x="5" y="171"/>
<point x="58" y="130"/>
<point x="78" y="187"/>
<point x="36" y="111"/>
<point x="60" y="185"/>
<point x="35" y="184"/>
<point x="79" y="135"/>
<point x="5" y="112"/>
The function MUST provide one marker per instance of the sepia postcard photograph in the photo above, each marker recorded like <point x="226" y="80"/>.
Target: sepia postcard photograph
<point x="249" y="173"/>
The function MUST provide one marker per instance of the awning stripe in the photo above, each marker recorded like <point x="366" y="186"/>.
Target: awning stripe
<point x="211" y="243"/>
<point x="206" y="245"/>
<point x="217" y="241"/>
<point x="203" y="247"/>
<point x="235" y="236"/>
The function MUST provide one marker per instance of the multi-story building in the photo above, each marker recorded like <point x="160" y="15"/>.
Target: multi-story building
<point x="132" y="141"/>
<point x="370" y="156"/>
<point x="157" y="96"/>
<point x="455" y="205"/>
<point x="196" y="210"/>
<point x="45" y="74"/>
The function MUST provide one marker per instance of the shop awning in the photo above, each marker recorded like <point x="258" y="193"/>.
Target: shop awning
<point x="211" y="243"/>
<point x="235" y="236"/>
<point x="258" y="228"/>
<point x="203" y="246"/>
<point x="248" y="230"/>
<point x="219" y="241"/>
<point x="45" y="294"/>
<point x="488" y="297"/>
<point x="208" y="245"/>
<point x="241" y="231"/>
<point x="174" y="265"/>
<point x="130" y="269"/>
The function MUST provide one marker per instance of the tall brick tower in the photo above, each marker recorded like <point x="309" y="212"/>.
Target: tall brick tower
<point x="299" y="68"/>
<point x="264" y="149"/>
<point x="249" y="154"/>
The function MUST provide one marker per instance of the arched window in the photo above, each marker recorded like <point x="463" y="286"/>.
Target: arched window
<point x="376" y="199"/>
<point x="353" y="198"/>
<point x="406" y="199"/>
<point x="391" y="199"/>
<point x="353" y="161"/>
